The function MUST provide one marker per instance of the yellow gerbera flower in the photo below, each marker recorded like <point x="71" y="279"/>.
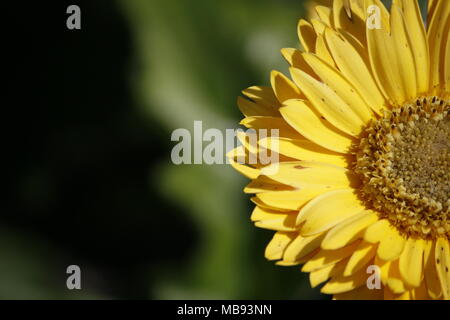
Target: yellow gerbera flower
<point x="362" y="181"/>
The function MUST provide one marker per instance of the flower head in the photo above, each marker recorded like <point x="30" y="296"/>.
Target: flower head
<point x="363" y="178"/>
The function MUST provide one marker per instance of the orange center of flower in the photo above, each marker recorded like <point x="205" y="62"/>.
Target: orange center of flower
<point x="404" y="162"/>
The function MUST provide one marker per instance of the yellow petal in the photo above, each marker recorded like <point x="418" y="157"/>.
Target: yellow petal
<point x="241" y="155"/>
<point x="431" y="275"/>
<point x="278" y="244"/>
<point x="342" y="284"/>
<point x="261" y="213"/>
<point x="286" y="263"/>
<point x="324" y="14"/>
<point x="358" y="46"/>
<point x="348" y="230"/>
<point x="405" y="58"/>
<point x="250" y="108"/>
<point x="303" y="149"/>
<point x="377" y="231"/>
<point x="384" y="268"/>
<point x="326" y="258"/>
<point x="357" y="8"/>
<point x="385" y="63"/>
<point x="271" y="123"/>
<point x="323" y="52"/>
<point x="265" y="184"/>
<point x="447" y="66"/>
<point x="249" y="141"/>
<point x="327" y="210"/>
<point x="309" y="123"/>
<point x="263" y="96"/>
<point x="302" y="246"/>
<point x="438" y="31"/>
<point x="353" y="67"/>
<point x="411" y="262"/>
<point x="295" y="59"/>
<point x="284" y="88"/>
<point x="288" y="200"/>
<point x="391" y="245"/>
<point x="395" y="281"/>
<point x="291" y="55"/>
<point x="245" y="170"/>
<point x="307" y="35"/>
<point x="284" y="224"/>
<point x="328" y="103"/>
<point x="321" y="275"/>
<point x="389" y="295"/>
<point x="339" y="84"/>
<point x="360" y="258"/>
<point x="273" y="220"/>
<point x="342" y="20"/>
<point x="319" y="27"/>
<point x="418" y="42"/>
<point x="306" y="258"/>
<point x="442" y="256"/>
<point x="314" y="175"/>
<point x="261" y="204"/>
<point x="407" y="295"/>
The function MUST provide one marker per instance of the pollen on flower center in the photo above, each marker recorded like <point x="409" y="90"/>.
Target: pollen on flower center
<point x="404" y="161"/>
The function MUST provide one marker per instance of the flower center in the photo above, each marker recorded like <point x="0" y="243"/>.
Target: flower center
<point x="404" y="162"/>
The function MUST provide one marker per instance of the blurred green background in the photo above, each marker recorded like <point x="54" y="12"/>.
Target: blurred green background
<point x="89" y="178"/>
